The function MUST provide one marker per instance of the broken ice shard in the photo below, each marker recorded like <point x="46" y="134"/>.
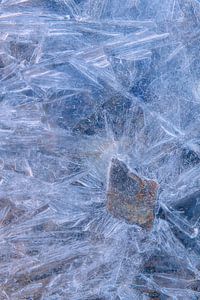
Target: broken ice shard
<point x="130" y="197"/>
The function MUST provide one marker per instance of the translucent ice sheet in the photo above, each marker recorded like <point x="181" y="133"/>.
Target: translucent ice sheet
<point x="83" y="84"/>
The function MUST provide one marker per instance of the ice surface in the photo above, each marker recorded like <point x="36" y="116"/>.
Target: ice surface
<point x="83" y="82"/>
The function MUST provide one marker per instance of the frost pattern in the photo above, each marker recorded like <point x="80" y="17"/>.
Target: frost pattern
<point x="83" y="82"/>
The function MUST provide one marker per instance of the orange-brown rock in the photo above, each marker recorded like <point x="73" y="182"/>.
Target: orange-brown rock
<point x="129" y="196"/>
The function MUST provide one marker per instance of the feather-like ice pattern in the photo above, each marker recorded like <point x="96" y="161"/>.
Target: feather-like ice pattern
<point x="84" y="83"/>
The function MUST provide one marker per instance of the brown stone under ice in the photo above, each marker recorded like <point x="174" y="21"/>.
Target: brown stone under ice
<point x="129" y="196"/>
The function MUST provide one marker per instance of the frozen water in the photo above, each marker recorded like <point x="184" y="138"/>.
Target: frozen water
<point x="84" y="83"/>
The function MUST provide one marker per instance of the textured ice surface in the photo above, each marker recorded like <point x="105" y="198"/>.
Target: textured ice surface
<point x="83" y="82"/>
